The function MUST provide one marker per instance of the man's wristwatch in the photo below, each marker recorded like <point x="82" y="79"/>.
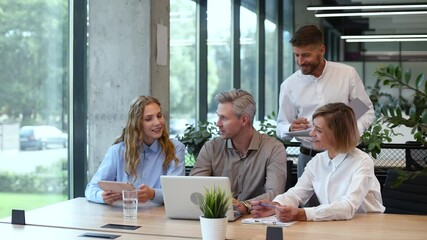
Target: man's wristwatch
<point x="247" y="204"/>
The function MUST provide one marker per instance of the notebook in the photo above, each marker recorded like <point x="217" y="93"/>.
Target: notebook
<point x="180" y="195"/>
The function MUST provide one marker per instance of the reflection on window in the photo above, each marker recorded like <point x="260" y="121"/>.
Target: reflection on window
<point x="271" y="83"/>
<point x="219" y="52"/>
<point x="34" y="92"/>
<point x="248" y="51"/>
<point x="182" y="65"/>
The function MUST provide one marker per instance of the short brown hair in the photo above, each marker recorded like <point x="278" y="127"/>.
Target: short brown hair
<point x="341" y="120"/>
<point x="307" y="35"/>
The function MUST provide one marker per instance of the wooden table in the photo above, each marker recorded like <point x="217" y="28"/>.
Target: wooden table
<point x="83" y="215"/>
<point x="23" y="232"/>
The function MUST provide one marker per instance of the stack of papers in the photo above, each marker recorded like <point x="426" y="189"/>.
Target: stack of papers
<point x="271" y="220"/>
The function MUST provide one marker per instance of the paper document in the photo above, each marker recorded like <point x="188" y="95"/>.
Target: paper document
<point x="359" y="107"/>
<point x="271" y="220"/>
<point x="301" y="133"/>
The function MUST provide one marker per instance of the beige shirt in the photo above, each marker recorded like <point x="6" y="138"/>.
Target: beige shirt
<point x="259" y="175"/>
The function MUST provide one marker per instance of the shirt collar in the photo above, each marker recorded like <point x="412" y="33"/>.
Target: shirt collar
<point x="154" y="147"/>
<point x="255" y="141"/>
<point x="338" y="159"/>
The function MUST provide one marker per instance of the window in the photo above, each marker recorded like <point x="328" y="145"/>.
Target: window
<point x="34" y="92"/>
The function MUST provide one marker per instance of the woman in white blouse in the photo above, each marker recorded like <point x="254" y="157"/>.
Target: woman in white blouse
<point x="342" y="176"/>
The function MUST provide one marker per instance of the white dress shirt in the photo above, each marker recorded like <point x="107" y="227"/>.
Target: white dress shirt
<point x="344" y="186"/>
<point x="301" y="95"/>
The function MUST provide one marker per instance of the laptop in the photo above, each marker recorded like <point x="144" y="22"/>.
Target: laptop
<point x="180" y="195"/>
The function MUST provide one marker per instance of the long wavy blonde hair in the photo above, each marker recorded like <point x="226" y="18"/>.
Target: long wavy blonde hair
<point x="133" y="136"/>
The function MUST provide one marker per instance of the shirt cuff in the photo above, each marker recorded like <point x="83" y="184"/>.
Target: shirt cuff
<point x="158" y="196"/>
<point x="309" y="213"/>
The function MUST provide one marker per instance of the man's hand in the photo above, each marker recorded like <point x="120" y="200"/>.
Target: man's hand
<point x="299" y="124"/>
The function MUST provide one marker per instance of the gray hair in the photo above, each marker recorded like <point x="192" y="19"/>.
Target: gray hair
<point x="242" y="101"/>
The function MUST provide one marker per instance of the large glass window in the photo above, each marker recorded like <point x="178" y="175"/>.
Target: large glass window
<point x="219" y="52"/>
<point x="248" y="51"/>
<point x="271" y="59"/>
<point x="34" y="103"/>
<point x="183" y="65"/>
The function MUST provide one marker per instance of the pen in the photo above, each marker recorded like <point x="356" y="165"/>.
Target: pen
<point x="268" y="205"/>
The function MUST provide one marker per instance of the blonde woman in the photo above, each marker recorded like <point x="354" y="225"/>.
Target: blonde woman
<point x="342" y="177"/>
<point x="140" y="155"/>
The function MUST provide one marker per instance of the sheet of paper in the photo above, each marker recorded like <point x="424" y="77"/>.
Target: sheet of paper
<point x="359" y="107"/>
<point x="301" y="133"/>
<point x="271" y="220"/>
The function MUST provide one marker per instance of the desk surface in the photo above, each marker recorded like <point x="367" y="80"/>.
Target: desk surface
<point x="22" y="232"/>
<point x="83" y="215"/>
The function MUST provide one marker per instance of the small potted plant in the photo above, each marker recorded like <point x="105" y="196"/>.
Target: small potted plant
<point x="214" y="206"/>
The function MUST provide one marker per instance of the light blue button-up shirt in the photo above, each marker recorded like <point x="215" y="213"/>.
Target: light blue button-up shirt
<point x="149" y="169"/>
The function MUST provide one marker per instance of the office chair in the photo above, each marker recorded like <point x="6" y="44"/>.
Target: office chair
<point x="409" y="197"/>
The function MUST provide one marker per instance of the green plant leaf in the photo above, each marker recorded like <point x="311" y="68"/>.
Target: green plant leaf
<point x="398" y="73"/>
<point x="408" y="75"/>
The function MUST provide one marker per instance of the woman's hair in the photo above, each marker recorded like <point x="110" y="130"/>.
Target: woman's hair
<point x="242" y="101"/>
<point x="341" y="120"/>
<point x="307" y="35"/>
<point x="133" y="136"/>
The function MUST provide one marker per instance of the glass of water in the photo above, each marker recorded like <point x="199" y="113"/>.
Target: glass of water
<point x="130" y="204"/>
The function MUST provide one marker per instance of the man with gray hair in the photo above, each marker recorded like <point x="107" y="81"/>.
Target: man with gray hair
<point x="255" y="163"/>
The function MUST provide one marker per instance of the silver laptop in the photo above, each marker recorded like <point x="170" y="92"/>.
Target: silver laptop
<point x="180" y="195"/>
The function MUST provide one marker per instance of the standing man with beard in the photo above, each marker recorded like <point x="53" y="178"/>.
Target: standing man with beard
<point x="315" y="84"/>
<point x="255" y="163"/>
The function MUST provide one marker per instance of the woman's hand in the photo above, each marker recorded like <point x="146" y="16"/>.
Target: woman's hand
<point x="145" y="193"/>
<point x="110" y="197"/>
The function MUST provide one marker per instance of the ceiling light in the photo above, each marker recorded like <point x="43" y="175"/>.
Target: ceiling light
<point x="388" y="40"/>
<point x="383" y="36"/>
<point x="366" y="7"/>
<point x="353" y="14"/>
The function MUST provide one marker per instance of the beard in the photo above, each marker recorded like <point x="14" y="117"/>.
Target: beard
<point x="310" y="67"/>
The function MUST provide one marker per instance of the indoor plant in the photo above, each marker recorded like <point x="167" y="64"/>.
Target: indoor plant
<point x="214" y="206"/>
<point x="394" y="111"/>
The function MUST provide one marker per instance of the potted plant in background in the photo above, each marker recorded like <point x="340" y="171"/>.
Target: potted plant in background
<point x="392" y="111"/>
<point x="214" y="206"/>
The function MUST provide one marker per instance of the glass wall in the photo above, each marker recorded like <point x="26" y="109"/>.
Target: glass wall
<point x="248" y="51"/>
<point x="183" y="65"/>
<point x="219" y="52"/>
<point x="34" y="103"/>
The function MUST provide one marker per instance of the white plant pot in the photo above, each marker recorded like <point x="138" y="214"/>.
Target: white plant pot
<point x="213" y="228"/>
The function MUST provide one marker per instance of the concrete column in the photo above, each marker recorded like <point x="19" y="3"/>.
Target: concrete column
<point x="122" y="64"/>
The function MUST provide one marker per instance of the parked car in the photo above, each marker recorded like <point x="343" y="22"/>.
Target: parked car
<point x="41" y="137"/>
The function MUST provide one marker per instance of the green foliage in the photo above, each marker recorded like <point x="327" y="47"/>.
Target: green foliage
<point x="34" y="56"/>
<point x="194" y="137"/>
<point x="411" y="113"/>
<point x="215" y="203"/>
<point x="51" y="179"/>
<point x="407" y="175"/>
<point x="269" y="128"/>
<point x="27" y="201"/>
<point x="375" y="136"/>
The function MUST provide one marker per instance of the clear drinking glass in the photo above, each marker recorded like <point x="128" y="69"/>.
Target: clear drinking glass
<point x="130" y="204"/>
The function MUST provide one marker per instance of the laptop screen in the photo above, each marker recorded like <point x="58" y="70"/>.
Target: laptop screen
<point x="180" y="195"/>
